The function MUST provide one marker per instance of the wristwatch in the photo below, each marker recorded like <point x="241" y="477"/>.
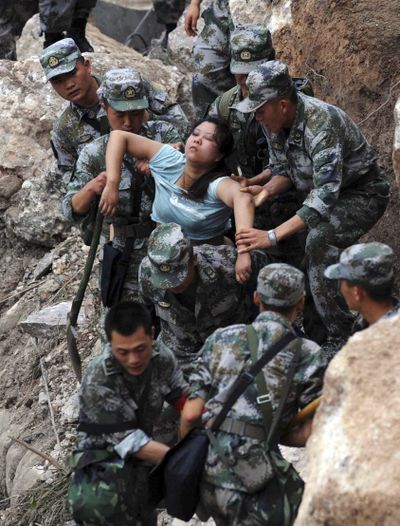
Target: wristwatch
<point x="272" y="237"/>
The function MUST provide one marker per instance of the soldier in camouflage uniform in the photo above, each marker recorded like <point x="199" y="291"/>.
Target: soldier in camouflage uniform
<point x="244" y="494"/>
<point x="13" y="17"/>
<point x="366" y="275"/>
<point x="85" y="119"/>
<point x="193" y="290"/>
<point x="123" y="97"/>
<point x="121" y="396"/>
<point x="318" y="149"/>
<point x="211" y="75"/>
<point x="168" y="12"/>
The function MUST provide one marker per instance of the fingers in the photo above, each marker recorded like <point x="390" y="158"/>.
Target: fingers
<point x="261" y="197"/>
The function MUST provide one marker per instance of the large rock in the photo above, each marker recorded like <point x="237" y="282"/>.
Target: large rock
<point x="396" y="142"/>
<point x="49" y="321"/>
<point x="353" y="453"/>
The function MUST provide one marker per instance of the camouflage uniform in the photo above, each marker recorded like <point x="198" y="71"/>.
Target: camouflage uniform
<point x="215" y="299"/>
<point x="13" y="17"/>
<point x="211" y="75"/>
<point x="111" y="396"/>
<point x="224" y="356"/>
<point x="57" y="16"/>
<point x="337" y="178"/>
<point x="368" y="263"/>
<point x="78" y="126"/>
<point x="168" y="12"/>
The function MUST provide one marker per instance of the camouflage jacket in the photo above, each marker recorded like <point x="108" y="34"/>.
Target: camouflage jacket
<point x="111" y="396"/>
<point x="71" y="132"/>
<point x="252" y="157"/>
<point x="224" y="356"/>
<point x="92" y="161"/>
<point x="324" y="153"/>
<point x="218" y="302"/>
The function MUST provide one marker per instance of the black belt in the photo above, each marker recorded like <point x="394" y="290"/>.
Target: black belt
<point x="136" y="230"/>
<point x="238" y="427"/>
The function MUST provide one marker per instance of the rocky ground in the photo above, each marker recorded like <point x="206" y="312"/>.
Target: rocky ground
<point x="348" y="48"/>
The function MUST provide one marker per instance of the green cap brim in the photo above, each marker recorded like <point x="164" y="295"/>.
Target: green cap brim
<point x="60" y="70"/>
<point x="168" y="280"/>
<point x="248" y="106"/>
<point x="244" y="68"/>
<point x="131" y="105"/>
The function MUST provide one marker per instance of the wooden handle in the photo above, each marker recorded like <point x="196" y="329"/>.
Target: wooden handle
<point x="306" y="412"/>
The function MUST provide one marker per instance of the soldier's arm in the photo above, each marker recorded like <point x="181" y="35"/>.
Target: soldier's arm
<point x="119" y="144"/>
<point x="297" y="436"/>
<point x="191" y="415"/>
<point x="65" y="154"/>
<point x="191" y="18"/>
<point x="152" y="452"/>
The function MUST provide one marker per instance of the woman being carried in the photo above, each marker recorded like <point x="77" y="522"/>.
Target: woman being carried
<point x="192" y="189"/>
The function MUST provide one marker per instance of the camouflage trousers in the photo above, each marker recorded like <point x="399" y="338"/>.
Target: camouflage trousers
<point x="211" y="57"/>
<point x="13" y="17"/>
<point x="354" y="215"/>
<point x="168" y="12"/>
<point x="57" y="15"/>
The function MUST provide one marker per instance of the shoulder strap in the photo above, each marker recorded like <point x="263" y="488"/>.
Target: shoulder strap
<point x="225" y="102"/>
<point x="100" y="124"/>
<point x="247" y="377"/>
<point x="270" y="423"/>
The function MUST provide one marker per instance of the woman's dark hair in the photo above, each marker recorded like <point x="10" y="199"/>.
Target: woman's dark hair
<point x="126" y="317"/>
<point x="224" y="140"/>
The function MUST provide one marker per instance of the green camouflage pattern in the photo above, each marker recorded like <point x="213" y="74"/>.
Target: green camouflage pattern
<point x="369" y="263"/>
<point x="169" y="253"/>
<point x="71" y="133"/>
<point x="59" y="58"/>
<point x="250" y="45"/>
<point x="280" y="285"/>
<point x="90" y="164"/>
<point x="123" y="89"/>
<point x="223" y="357"/>
<point x="211" y="57"/>
<point x="57" y="16"/>
<point x="215" y="300"/>
<point x="109" y="395"/>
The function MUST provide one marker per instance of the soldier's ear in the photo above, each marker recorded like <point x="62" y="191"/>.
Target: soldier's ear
<point x="256" y="298"/>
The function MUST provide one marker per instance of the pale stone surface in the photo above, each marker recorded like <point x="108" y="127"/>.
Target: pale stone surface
<point x="10" y="319"/>
<point x="396" y="142"/>
<point x="354" y="462"/>
<point x="275" y="15"/>
<point x="47" y="322"/>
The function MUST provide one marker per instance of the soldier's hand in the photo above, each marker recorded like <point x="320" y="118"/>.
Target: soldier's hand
<point x="97" y="184"/>
<point x="109" y="200"/>
<point x="243" y="181"/>
<point x="251" y="239"/>
<point x="191" y="18"/>
<point x="142" y="166"/>
<point x="243" y="268"/>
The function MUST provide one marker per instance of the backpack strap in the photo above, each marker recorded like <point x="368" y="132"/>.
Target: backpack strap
<point x="225" y="102"/>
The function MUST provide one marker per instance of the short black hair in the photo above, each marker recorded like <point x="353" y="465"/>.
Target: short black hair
<point x="382" y="293"/>
<point x="126" y="317"/>
<point x="284" y="311"/>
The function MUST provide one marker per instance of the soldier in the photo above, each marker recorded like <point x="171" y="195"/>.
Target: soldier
<point x="121" y="395"/>
<point x="168" y="12"/>
<point x="13" y="17"/>
<point x="193" y="290"/>
<point x="123" y="97"/>
<point x="211" y="75"/>
<point x="318" y="149"/>
<point x="84" y="119"/>
<point x="366" y="275"/>
<point x="246" y="493"/>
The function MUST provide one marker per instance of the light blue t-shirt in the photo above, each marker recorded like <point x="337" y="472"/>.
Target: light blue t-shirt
<point x="202" y="219"/>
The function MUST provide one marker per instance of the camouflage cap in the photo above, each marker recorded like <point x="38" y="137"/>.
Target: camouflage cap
<point x="123" y="89"/>
<point x="280" y="285"/>
<point x="250" y="46"/>
<point x="266" y="82"/>
<point x="60" y="58"/>
<point x="169" y="253"/>
<point x="369" y="263"/>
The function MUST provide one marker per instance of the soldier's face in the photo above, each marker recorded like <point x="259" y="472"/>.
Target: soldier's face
<point x="241" y="82"/>
<point x="132" y="352"/>
<point x="351" y="294"/>
<point x="271" y="115"/>
<point x="201" y="146"/>
<point x="75" y="86"/>
<point x="130" y="121"/>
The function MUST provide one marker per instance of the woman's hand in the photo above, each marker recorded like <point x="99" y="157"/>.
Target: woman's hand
<point x="251" y="239"/>
<point x="191" y="18"/>
<point x="243" y="268"/>
<point x="109" y="199"/>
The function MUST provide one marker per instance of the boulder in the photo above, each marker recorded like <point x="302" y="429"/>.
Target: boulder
<point x="354" y="465"/>
<point x="47" y="322"/>
<point x="396" y="143"/>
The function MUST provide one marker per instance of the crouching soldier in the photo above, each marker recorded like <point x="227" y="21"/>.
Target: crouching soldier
<point x="246" y="481"/>
<point x="121" y="395"/>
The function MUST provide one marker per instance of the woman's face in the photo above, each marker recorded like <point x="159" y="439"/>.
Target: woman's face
<point x="201" y="146"/>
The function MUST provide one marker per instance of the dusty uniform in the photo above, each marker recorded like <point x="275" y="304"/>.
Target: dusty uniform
<point x="73" y="130"/>
<point x="110" y="396"/>
<point x="56" y="16"/>
<point x="90" y="164"/>
<point x="214" y="300"/>
<point x="211" y="57"/>
<point x="224" y="356"/>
